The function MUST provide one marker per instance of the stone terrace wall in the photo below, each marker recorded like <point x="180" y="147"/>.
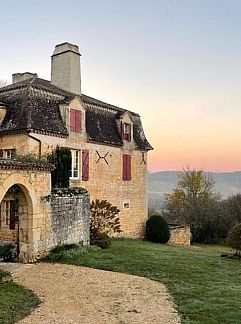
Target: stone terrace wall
<point x="68" y="214"/>
<point x="180" y="235"/>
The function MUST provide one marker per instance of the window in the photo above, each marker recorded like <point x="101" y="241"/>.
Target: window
<point x="126" y="205"/>
<point x="126" y="131"/>
<point x="75" y="164"/>
<point x="7" y="153"/>
<point x="8" y="214"/>
<point x="126" y="176"/>
<point x="75" y="121"/>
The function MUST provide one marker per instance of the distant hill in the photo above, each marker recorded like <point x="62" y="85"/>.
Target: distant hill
<point x="159" y="183"/>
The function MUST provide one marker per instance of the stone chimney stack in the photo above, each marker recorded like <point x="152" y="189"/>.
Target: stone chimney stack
<point x="17" y="77"/>
<point x="65" y="68"/>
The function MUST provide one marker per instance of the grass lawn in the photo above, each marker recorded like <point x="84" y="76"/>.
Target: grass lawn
<point x="16" y="302"/>
<point x="205" y="287"/>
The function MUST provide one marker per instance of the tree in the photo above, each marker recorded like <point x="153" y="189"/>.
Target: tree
<point x="233" y="209"/>
<point x="61" y="158"/>
<point x="193" y="203"/>
<point x="234" y="238"/>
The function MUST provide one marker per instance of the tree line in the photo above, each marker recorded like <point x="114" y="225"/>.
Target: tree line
<point x="194" y="203"/>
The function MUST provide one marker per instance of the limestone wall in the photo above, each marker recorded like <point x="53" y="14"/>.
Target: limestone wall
<point x="180" y="235"/>
<point x="67" y="218"/>
<point x="105" y="182"/>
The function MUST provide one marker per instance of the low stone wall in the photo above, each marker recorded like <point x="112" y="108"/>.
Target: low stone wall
<point x="68" y="212"/>
<point x="180" y="235"/>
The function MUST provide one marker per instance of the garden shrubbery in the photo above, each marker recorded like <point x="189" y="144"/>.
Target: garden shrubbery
<point x="104" y="220"/>
<point x="8" y="252"/>
<point x="234" y="237"/>
<point x="101" y="240"/>
<point x="65" y="251"/>
<point x="157" y="229"/>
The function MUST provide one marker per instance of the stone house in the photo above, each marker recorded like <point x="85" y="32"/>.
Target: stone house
<point x="108" y="145"/>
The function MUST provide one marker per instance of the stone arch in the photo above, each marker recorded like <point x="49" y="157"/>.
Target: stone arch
<point x="26" y="203"/>
<point x="20" y="180"/>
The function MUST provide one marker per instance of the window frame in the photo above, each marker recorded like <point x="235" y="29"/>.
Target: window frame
<point x="126" y="131"/>
<point x="75" y="161"/>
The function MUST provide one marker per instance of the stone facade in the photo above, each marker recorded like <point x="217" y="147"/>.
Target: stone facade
<point x="180" y="235"/>
<point x="111" y="139"/>
<point x="44" y="219"/>
<point x="105" y="175"/>
<point x="105" y="171"/>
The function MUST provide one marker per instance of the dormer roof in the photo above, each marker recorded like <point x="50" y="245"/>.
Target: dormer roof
<point x="33" y="105"/>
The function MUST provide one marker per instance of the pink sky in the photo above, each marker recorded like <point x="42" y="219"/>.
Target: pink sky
<point x="176" y="63"/>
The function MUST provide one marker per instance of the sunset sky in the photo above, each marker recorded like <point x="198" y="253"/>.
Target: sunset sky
<point x="175" y="62"/>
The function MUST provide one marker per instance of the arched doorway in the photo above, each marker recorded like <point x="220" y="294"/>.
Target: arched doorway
<point x="15" y="220"/>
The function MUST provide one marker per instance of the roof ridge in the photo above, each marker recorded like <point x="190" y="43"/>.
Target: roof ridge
<point x="104" y="105"/>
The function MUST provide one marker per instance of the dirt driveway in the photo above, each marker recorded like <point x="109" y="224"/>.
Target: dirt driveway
<point x="72" y="294"/>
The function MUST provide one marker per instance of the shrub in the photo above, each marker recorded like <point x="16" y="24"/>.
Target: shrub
<point x="67" y="251"/>
<point x="4" y="275"/>
<point x="104" y="217"/>
<point x="104" y="220"/>
<point x="8" y="252"/>
<point x="234" y="237"/>
<point x="101" y="240"/>
<point x="65" y="247"/>
<point x="157" y="229"/>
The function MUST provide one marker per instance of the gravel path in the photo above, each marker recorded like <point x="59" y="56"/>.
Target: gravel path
<point x="72" y="294"/>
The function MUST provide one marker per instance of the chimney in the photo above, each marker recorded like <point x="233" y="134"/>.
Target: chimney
<point x="17" y="77"/>
<point x="65" y="67"/>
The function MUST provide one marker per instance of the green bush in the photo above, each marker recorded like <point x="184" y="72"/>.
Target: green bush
<point x="7" y="252"/>
<point x="104" y="220"/>
<point x="65" y="247"/>
<point x="61" y="159"/>
<point x="157" y="229"/>
<point x="234" y="237"/>
<point x="68" y="251"/>
<point x="3" y="275"/>
<point x="101" y="240"/>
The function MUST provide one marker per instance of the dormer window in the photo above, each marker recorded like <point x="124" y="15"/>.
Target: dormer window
<point x="126" y="132"/>
<point x="75" y="121"/>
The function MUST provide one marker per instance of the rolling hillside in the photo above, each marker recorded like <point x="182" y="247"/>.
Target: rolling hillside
<point x="159" y="183"/>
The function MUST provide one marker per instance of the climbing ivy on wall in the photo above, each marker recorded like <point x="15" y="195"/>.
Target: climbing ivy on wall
<point x="61" y="158"/>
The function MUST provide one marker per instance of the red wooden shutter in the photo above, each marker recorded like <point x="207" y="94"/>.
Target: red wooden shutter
<point x="12" y="216"/>
<point x="78" y="123"/>
<point x="85" y="165"/>
<point x="128" y="167"/>
<point x="122" y="130"/>
<point x="1" y="153"/>
<point x="126" y="176"/>
<point x="124" y="168"/>
<point x="72" y="120"/>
